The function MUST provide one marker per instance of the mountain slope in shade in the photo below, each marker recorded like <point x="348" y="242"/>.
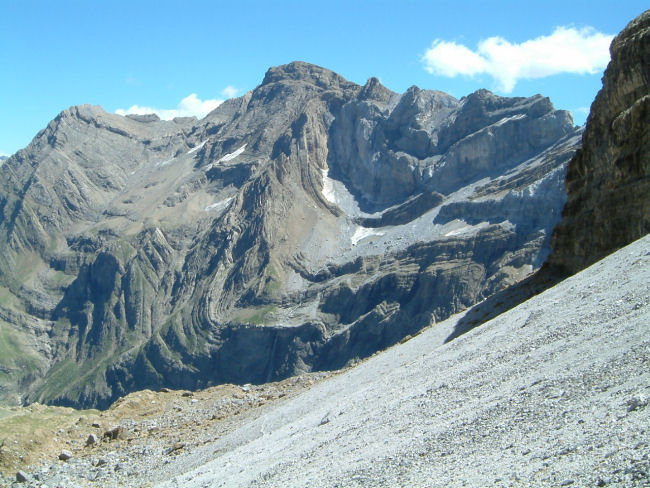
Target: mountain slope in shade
<point x="308" y="223"/>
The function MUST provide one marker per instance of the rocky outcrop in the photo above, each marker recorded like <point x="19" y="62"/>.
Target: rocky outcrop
<point x="608" y="180"/>
<point x="304" y="225"/>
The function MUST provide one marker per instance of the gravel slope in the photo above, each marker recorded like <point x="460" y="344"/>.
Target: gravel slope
<point x="551" y="393"/>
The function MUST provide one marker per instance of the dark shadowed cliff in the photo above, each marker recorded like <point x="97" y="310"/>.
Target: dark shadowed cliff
<point x="608" y="180"/>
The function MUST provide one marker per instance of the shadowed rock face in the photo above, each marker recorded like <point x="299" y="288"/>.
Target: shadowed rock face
<point x="608" y="180"/>
<point x="308" y="223"/>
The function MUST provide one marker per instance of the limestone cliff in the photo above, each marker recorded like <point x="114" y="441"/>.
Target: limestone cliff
<point x="608" y="180"/>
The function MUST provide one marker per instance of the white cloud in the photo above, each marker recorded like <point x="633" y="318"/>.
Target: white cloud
<point x="566" y="50"/>
<point x="230" y="91"/>
<point x="188" y="107"/>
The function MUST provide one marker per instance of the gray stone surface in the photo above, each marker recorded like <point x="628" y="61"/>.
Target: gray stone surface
<point x="65" y="455"/>
<point x="22" y="477"/>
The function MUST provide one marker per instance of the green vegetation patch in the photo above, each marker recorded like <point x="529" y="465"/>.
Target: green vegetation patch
<point x="59" y="378"/>
<point x="7" y="298"/>
<point x="273" y="279"/>
<point x="123" y="250"/>
<point x="13" y="353"/>
<point x="26" y="266"/>
<point x="257" y="317"/>
<point x="30" y="419"/>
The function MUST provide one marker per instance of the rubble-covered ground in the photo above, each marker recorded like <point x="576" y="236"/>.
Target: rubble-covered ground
<point x="153" y="425"/>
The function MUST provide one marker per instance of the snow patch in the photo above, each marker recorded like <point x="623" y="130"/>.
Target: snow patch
<point x="457" y="232"/>
<point x="328" y="187"/>
<point x="509" y="119"/>
<point x="335" y="192"/>
<point x="363" y="232"/>
<point x="232" y="155"/>
<point x="164" y="163"/>
<point x="194" y="149"/>
<point x="219" y="205"/>
<point x="460" y="227"/>
<point x="227" y="157"/>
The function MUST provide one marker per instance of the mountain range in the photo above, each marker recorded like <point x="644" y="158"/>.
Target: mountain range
<point x="300" y="227"/>
<point x="309" y="223"/>
<point x="306" y="226"/>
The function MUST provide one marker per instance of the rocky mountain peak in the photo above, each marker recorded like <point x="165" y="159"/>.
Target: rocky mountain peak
<point x="374" y="90"/>
<point x="307" y="73"/>
<point x="85" y="113"/>
<point x="634" y="33"/>
<point x="83" y="110"/>
<point x="483" y="102"/>
<point x="146" y="118"/>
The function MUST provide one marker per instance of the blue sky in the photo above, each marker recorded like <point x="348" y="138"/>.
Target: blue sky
<point x="117" y="54"/>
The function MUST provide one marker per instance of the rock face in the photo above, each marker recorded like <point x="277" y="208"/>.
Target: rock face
<point x="308" y="223"/>
<point x="608" y="180"/>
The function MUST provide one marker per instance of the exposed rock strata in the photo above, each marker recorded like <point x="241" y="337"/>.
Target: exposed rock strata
<point x="308" y="223"/>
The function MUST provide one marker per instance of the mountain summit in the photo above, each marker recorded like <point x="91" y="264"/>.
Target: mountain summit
<point x="304" y="225"/>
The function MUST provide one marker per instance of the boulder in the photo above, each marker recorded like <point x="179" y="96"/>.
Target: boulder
<point x="65" y="455"/>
